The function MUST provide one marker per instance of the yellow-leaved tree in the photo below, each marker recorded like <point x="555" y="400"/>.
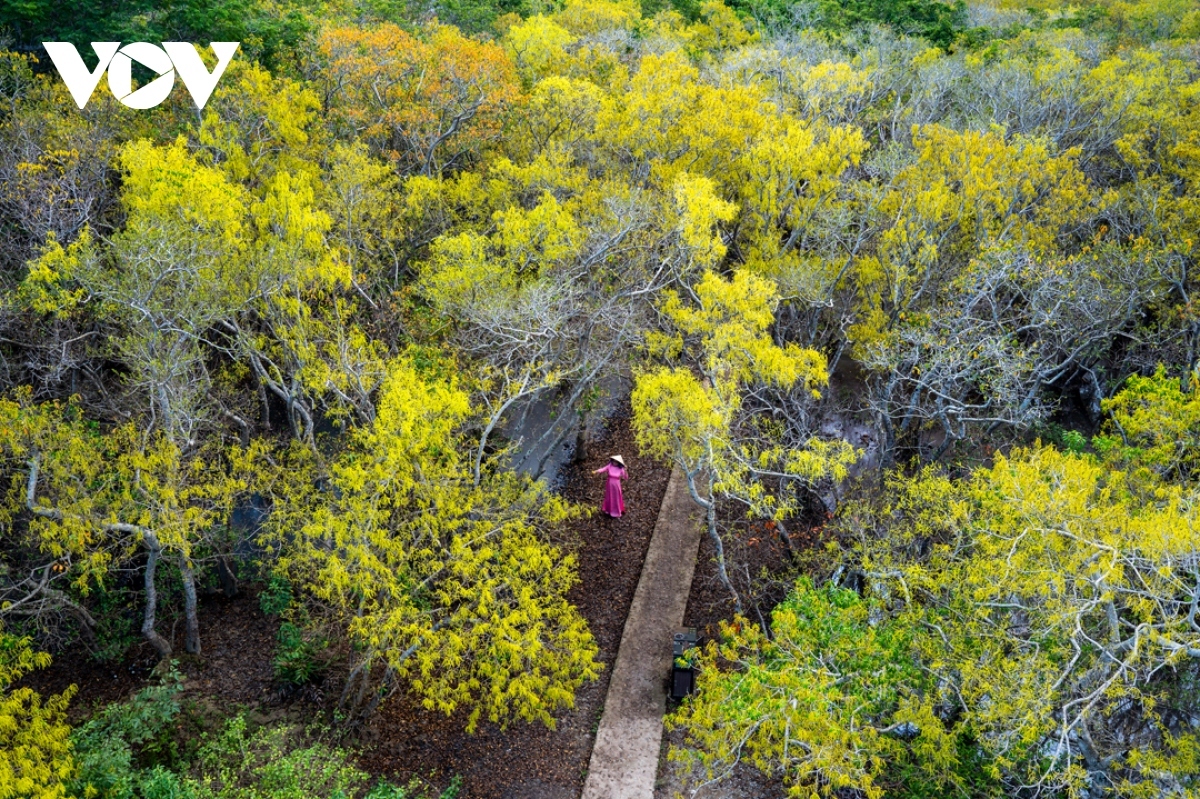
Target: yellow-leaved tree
<point x="698" y="414"/>
<point x="1029" y="627"/>
<point x="35" y="740"/>
<point x="96" y="499"/>
<point x="446" y="585"/>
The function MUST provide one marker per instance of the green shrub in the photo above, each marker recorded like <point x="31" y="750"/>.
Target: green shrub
<point x="161" y="783"/>
<point x="276" y="597"/>
<point x="939" y="21"/>
<point x="1074" y="441"/>
<point x="298" y="647"/>
<point x="128" y="751"/>
<point x="282" y="762"/>
<point x="385" y="790"/>
<point x="271" y="31"/>
<point x="117" y="743"/>
<point x="268" y="764"/>
<point x="296" y="654"/>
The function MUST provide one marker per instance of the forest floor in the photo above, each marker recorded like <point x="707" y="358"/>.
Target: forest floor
<point x="525" y="761"/>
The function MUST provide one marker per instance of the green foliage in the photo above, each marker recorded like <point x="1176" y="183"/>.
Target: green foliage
<point x="939" y="22"/>
<point x="475" y="16"/>
<point x="285" y="762"/>
<point x="276" y="596"/>
<point x="160" y="783"/>
<point x="1074" y="441"/>
<point x="1067" y="439"/>
<point x="127" y="751"/>
<point x="383" y="790"/>
<point x="271" y="763"/>
<point x="297" y="646"/>
<point x="269" y="32"/>
<point x="126" y="746"/>
<point x="297" y="653"/>
<point x="1154" y="424"/>
<point x="831" y="700"/>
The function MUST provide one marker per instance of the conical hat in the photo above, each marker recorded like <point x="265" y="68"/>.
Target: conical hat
<point x="617" y="458"/>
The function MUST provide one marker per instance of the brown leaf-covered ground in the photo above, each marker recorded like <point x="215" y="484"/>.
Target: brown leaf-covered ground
<point x="234" y="671"/>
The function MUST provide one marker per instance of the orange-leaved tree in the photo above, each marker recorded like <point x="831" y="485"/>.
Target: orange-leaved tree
<point x="429" y="103"/>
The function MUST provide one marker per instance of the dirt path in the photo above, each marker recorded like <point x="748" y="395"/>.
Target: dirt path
<point x="624" y="761"/>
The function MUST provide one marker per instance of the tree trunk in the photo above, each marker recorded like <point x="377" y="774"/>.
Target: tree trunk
<point x="790" y="548"/>
<point x="360" y="675"/>
<point x="191" y="640"/>
<point x="710" y="509"/>
<point x="229" y="583"/>
<point x="384" y="690"/>
<point x="160" y="644"/>
<point x="356" y="673"/>
<point x="720" y="546"/>
<point x="581" y="440"/>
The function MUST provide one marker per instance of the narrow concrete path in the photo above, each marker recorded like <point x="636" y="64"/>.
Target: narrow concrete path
<point x="624" y="760"/>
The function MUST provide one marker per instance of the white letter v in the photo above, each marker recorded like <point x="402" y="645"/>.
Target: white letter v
<point x="74" y="72"/>
<point x="196" y="77"/>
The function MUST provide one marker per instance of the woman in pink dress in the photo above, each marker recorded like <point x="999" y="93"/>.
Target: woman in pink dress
<point x="614" y="502"/>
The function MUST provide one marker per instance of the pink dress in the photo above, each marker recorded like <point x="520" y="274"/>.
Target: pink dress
<point x="614" y="502"/>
